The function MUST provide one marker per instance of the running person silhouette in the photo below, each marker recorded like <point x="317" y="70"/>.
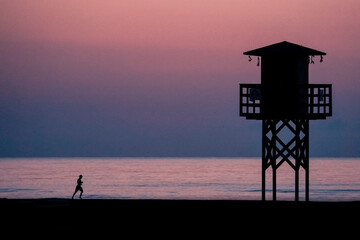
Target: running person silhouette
<point x="78" y="187"/>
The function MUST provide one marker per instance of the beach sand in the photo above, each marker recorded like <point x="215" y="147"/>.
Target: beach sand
<point x="182" y="218"/>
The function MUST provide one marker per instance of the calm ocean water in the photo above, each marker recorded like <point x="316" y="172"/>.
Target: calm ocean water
<point x="173" y="178"/>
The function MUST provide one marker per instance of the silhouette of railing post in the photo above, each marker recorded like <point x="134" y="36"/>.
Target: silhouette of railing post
<point x="285" y="102"/>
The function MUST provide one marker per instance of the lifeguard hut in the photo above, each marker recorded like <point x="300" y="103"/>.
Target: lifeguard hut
<point x="285" y="100"/>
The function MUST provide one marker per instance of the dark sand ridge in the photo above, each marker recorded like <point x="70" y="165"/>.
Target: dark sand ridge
<point x="180" y="217"/>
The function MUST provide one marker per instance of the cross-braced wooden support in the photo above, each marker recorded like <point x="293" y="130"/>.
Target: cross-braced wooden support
<point x="285" y="140"/>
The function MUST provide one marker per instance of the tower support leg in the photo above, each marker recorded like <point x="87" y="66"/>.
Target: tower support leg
<point x="274" y="182"/>
<point x="297" y="185"/>
<point x="306" y="159"/>
<point x="263" y="163"/>
<point x="294" y="150"/>
<point x="263" y="187"/>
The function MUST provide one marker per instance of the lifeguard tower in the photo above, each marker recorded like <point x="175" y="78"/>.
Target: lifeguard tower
<point x="285" y="100"/>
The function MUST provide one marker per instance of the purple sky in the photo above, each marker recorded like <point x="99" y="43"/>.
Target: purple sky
<point x="160" y="78"/>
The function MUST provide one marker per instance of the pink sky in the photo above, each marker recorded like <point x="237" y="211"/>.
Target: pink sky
<point x="187" y="35"/>
<point x="221" y="24"/>
<point x="161" y="55"/>
<point x="221" y="27"/>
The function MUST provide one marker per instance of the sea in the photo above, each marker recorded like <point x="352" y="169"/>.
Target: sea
<point x="331" y="179"/>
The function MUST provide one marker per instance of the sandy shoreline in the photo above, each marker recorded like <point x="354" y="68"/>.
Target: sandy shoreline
<point x="97" y="215"/>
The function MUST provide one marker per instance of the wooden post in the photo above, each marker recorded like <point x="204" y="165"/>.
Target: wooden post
<point x="263" y="163"/>
<point x="306" y="160"/>
<point x="298" y="157"/>
<point x="274" y="181"/>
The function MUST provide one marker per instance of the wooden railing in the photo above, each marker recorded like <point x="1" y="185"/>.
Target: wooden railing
<point x="316" y="104"/>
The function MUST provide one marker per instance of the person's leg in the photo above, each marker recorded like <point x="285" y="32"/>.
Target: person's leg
<point x="81" y="192"/>
<point x="76" y="189"/>
<point x="73" y="195"/>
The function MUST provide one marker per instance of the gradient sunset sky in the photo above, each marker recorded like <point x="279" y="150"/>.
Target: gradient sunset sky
<point x="156" y="78"/>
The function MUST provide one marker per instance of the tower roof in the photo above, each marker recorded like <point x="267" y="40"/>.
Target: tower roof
<point x="283" y="48"/>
